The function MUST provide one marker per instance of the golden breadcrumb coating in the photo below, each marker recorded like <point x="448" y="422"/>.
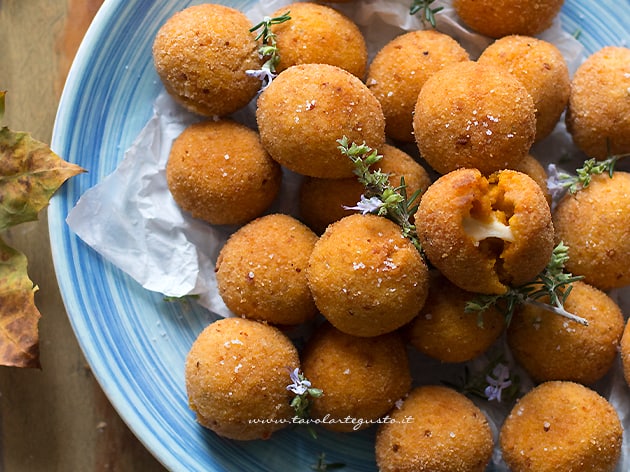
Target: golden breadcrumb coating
<point x="307" y="108"/>
<point x="366" y="278"/>
<point x="550" y="347"/>
<point x="322" y="201"/>
<point x="237" y="373"/>
<point x="220" y="173"/>
<point x="436" y="429"/>
<point x="400" y="69"/>
<point x="595" y="225"/>
<point x="473" y="115"/>
<point x="485" y="234"/>
<point x="541" y="68"/>
<point x="598" y="114"/>
<point x="202" y="54"/>
<point x="319" y="34"/>
<point x="444" y="331"/>
<point x="261" y="270"/>
<point x="532" y="167"/>
<point x="562" y="426"/>
<point x="497" y="18"/>
<point x="362" y="378"/>
<point x="624" y="351"/>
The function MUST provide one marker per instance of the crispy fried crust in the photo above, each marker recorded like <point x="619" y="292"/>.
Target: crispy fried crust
<point x="220" y="173"/>
<point x="598" y="114"/>
<point x="201" y="54"/>
<point x="595" y="225"/>
<point x="361" y="377"/>
<point x="551" y="347"/>
<point x="541" y="68"/>
<point x="307" y="108"/>
<point x="436" y="429"/>
<point x="473" y="115"/>
<point x="488" y="265"/>
<point x="261" y="271"/>
<point x="561" y="426"/>
<point x="497" y="18"/>
<point x="236" y="371"/>
<point x="400" y="69"/>
<point x="366" y="278"/>
<point x="338" y="40"/>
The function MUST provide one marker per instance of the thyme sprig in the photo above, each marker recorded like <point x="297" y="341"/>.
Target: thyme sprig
<point x="304" y="391"/>
<point x="428" y="12"/>
<point x="573" y="183"/>
<point x="553" y="284"/>
<point x="269" y="47"/>
<point x="380" y="197"/>
<point x="322" y="465"/>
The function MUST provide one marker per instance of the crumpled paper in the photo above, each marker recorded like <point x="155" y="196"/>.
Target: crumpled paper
<point x="130" y="217"/>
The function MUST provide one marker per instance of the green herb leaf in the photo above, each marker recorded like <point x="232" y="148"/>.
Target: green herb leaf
<point x="380" y="197"/>
<point x="583" y="175"/>
<point x="428" y="13"/>
<point x="552" y="284"/>
<point x="269" y="48"/>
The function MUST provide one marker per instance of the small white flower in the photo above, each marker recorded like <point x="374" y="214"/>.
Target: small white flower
<point x="300" y="385"/>
<point x="499" y="380"/>
<point x="264" y="75"/>
<point x="366" y="205"/>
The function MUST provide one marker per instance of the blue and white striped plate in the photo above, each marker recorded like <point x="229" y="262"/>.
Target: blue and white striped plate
<point x="134" y="341"/>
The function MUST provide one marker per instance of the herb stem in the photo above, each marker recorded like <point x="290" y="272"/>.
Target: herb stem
<point x="559" y="310"/>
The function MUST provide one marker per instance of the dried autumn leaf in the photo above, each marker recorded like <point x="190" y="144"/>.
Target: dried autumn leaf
<point x="19" y="317"/>
<point x="30" y="173"/>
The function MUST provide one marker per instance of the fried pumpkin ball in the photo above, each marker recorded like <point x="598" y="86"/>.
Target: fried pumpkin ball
<point x="485" y="234"/>
<point x="307" y="108"/>
<point x="624" y="350"/>
<point x="598" y="113"/>
<point x="339" y="41"/>
<point x="201" y="54"/>
<point x="595" y="224"/>
<point x="324" y="201"/>
<point x="473" y="115"/>
<point x="261" y="271"/>
<point x="562" y="425"/>
<point x="435" y="429"/>
<point x="362" y="378"/>
<point x="497" y="18"/>
<point x="220" y="173"/>
<point x="400" y="69"/>
<point x="532" y="167"/>
<point x="236" y="378"/>
<point x="541" y="68"/>
<point x="366" y="278"/>
<point x="551" y="347"/>
<point x="444" y="331"/>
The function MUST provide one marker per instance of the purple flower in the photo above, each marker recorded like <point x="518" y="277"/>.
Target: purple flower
<point x="300" y="385"/>
<point x="499" y="380"/>
<point x="367" y="205"/>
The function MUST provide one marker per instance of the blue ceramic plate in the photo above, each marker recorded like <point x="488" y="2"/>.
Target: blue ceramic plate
<point x="134" y="341"/>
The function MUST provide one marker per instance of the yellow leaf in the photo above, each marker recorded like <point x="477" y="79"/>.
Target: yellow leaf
<point x="30" y="173"/>
<point x="19" y="317"/>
